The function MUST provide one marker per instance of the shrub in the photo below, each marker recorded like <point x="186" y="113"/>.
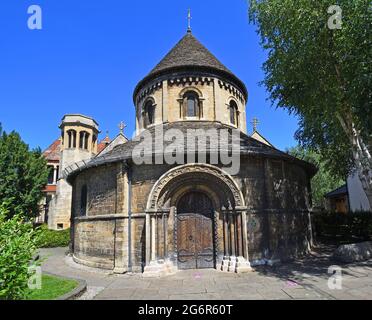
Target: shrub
<point x="341" y="227"/>
<point x="17" y="247"/>
<point x="51" y="238"/>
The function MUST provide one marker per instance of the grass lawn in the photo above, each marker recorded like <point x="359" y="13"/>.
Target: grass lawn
<point x="52" y="288"/>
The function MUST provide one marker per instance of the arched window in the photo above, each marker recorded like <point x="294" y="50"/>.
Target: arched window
<point x="149" y="113"/>
<point x="83" y="200"/>
<point x="71" y="135"/>
<point x="233" y="113"/>
<point x="83" y="140"/>
<point x="191" y="104"/>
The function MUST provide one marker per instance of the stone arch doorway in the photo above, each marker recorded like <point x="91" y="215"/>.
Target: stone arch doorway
<point x="228" y="216"/>
<point x="194" y="228"/>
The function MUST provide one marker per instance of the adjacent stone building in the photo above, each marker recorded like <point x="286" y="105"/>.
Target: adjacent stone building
<point x="78" y="143"/>
<point x="159" y="203"/>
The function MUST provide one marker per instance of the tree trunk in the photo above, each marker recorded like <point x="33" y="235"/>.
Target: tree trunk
<point x="361" y="154"/>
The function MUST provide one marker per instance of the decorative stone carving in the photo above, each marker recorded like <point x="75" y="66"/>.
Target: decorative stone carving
<point x="193" y="168"/>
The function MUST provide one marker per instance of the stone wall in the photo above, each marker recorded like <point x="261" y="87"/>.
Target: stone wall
<point x="277" y="196"/>
<point x="215" y="95"/>
<point x="275" y="192"/>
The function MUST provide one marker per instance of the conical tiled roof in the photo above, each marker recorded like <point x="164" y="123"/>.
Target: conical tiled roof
<point x="190" y="54"/>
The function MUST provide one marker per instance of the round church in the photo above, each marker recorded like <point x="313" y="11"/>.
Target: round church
<point x="191" y="190"/>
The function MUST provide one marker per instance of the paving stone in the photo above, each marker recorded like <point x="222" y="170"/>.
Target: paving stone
<point x="197" y="296"/>
<point x="115" y="294"/>
<point x="269" y="283"/>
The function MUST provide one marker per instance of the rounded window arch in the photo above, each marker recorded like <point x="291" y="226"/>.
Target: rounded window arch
<point x="149" y="113"/>
<point x="71" y="136"/>
<point x="233" y="113"/>
<point x="83" y="140"/>
<point x="191" y="105"/>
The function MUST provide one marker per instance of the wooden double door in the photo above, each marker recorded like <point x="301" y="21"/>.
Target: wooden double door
<point x="195" y="224"/>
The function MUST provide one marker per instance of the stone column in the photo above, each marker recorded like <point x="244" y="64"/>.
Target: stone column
<point x="242" y="262"/>
<point x="158" y="265"/>
<point x="54" y="175"/>
<point x="148" y="239"/>
<point x="226" y="243"/>
<point x="232" y="262"/>
<point x="153" y="238"/>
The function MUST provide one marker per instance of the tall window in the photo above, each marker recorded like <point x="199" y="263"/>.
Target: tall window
<point x="71" y="135"/>
<point x="83" y="200"/>
<point x="191" y="104"/>
<point x="83" y="140"/>
<point x="149" y="116"/>
<point x="51" y="175"/>
<point x="233" y="113"/>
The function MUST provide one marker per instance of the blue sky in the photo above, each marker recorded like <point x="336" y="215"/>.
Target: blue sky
<point x="90" y="54"/>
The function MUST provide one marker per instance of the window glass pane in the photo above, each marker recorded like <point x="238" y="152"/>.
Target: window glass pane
<point x="51" y="175"/>
<point x="232" y="115"/>
<point x="191" y="107"/>
<point x="233" y="111"/>
<point x="150" y="113"/>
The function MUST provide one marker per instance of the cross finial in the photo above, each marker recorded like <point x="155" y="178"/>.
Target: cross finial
<point x="122" y="126"/>
<point x="189" y="21"/>
<point x="107" y="133"/>
<point x="255" y="123"/>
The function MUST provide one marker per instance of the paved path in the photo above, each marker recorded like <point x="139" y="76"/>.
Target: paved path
<point x="303" y="279"/>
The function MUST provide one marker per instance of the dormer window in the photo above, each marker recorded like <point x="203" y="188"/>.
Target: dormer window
<point x="233" y="108"/>
<point x="149" y="113"/>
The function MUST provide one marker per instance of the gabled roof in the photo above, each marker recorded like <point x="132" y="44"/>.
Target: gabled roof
<point x="256" y="135"/>
<point x="103" y="144"/>
<point x="337" y="192"/>
<point x="188" y="54"/>
<point x="53" y="152"/>
<point x="119" y="139"/>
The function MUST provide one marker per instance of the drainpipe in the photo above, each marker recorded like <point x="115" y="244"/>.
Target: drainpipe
<point x="129" y="175"/>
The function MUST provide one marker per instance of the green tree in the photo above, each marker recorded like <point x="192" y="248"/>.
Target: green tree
<point x="18" y="240"/>
<point x="23" y="174"/>
<point x="324" y="181"/>
<point x="323" y="75"/>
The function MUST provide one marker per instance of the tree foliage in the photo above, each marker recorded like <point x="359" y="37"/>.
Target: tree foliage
<point x="324" y="181"/>
<point x="322" y="75"/>
<point x="18" y="242"/>
<point x="23" y="174"/>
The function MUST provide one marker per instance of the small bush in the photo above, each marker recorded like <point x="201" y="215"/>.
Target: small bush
<point x="341" y="227"/>
<point x="18" y="241"/>
<point x="51" y="238"/>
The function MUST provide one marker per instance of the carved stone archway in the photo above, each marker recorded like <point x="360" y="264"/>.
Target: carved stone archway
<point x="231" y="234"/>
<point x="152" y="203"/>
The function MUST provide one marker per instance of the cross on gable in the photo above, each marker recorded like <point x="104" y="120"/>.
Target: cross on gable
<point x="122" y="126"/>
<point x="255" y="124"/>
